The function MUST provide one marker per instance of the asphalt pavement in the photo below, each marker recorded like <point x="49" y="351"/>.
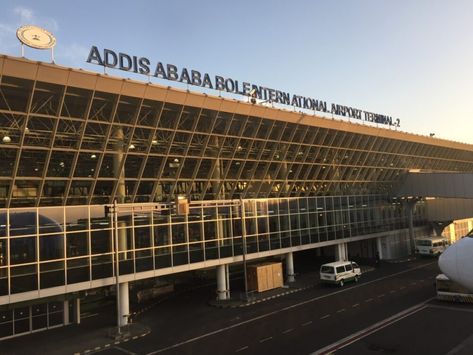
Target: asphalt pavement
<point x="302" y="318"/>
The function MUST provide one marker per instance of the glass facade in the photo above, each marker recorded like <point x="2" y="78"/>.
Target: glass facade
<point x="67" y="150"/>
<point x="71" y="146"/>
<point x="54" y="246"/>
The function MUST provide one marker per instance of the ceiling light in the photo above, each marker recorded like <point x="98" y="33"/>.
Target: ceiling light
<point x="154" y="141"/>
<point x="93" y="156"/>
<point x="132" y="146"/>
<point x="6" y="139"/>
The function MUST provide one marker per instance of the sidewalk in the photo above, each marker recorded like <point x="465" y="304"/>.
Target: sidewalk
<point x="93" y="334"/>
<point x="302" y="282"/>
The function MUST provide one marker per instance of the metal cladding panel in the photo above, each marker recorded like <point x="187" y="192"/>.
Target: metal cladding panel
<point x="229" y="106"/>
<point x="176" y="97"/>
<point x="156" y="93"/>
<point x="196" y="100"/>
<point x="214" y="103"/>
<point x="82" y="80"/>
<point x="52" y="74"/>
<point x="20" y="69"/>
<point x="134" y="89"/>
<point x="110" y="85"/>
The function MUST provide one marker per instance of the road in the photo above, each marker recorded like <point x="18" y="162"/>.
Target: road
<point x="300" y="323"/>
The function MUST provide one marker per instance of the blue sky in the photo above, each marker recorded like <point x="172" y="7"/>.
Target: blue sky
<point x="409" y="59"/>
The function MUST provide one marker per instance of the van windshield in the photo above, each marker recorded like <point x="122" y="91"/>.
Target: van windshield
<point x="424" y="243"/>
<point x="326" y="269"/>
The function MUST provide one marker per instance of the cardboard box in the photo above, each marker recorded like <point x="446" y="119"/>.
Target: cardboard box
<point x="264" y="277"/>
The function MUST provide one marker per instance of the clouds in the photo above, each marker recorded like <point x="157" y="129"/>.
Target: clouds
<point x="20" y="16"/>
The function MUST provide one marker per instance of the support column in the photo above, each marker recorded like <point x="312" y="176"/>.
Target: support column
<point x="65" y="319"/>
<point x="290" y="267"/>
<point x="227" y="272"/>
<point x="379" y="246"/>
<point x="76" y="306"/>
<point x="124" y="303"/>
<point x="410" y="216"/>
<point x="221" y="283"/>
<point x="341" y="251"/>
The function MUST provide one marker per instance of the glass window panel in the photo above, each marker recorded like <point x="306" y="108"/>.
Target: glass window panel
<point x="46" y="98"/>
<point x="25" y="193"/>
<point x="127" y="109"/>
<point x="152" y="167"/>
<point x="75" y="102"/>
<point x="31" y="163"/>
<point x="22" y="250"/>
<point x="103" y="191"/>
<point x="206" y="120"/>
<point x="79" y="192"/>
<point x="7" y="157"/>
<point x="15" y="93"/>
<point x="102" y="106"/>
<point x="101" y="241"/>
<point x="68" y="133"/>
<point x="149" y="113"/>
<point x="86" y="165"/>
<point x="133" y="165"/>
<point x="169" y="116"/>
<point x="40" y="130"/>
<point x="51" y="247"/>
<point x="60" y="164"/>
<point x="95" y="135"/>
<point x="188" y="118"/>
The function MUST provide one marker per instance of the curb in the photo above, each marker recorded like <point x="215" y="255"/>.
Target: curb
<point x="112" y="343"/>
<point x="246" y="304"/>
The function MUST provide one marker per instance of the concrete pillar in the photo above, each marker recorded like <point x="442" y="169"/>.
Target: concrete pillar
<point x="124" y="308"/>
<point x="379" y="247"/>
<point x="410" y="215"/>
<point x="289" y="267"/>
<point x="221" y="283"/>
<point x="66" y="312"/>
<point x="76" y="306"/>
<point x="341" y="251"/>
<point x="227" y="272"/>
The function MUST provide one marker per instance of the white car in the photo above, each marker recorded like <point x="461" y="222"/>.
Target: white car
<point x="340" y="272"/>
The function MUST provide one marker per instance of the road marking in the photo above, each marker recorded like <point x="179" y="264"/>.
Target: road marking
<point x="326" y="316"/>
<point x="241" y="349"/>
<point x="381" y="295"/>
<point x="265" y="339"/>
<point x="402" y="287"/>
<point x="272" y="313"/>
<point x="355" y="305"/>
<point x="342" y="343"/>
<point x="341" y="310"/>
<point x="125" y="350"/>
<point x="369" y="300"/>
<point x="287" y="331"/>
<point x="392" y="291"/>
<point x="306" y="323"/>
<point x="89" y="315"/>
<point x="413" y="283"/>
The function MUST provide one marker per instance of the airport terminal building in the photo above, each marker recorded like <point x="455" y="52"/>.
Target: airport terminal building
<point x="260" y="182"/>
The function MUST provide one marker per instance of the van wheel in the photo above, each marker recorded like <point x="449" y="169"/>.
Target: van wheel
<point x="356" y="278"/>
<point x="341" y="283"/>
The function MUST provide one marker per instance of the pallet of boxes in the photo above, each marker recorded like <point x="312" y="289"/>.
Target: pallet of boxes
<point x="264" y="277"/>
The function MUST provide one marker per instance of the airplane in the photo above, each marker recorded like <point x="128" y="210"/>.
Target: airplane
<point x="457" y="261"/>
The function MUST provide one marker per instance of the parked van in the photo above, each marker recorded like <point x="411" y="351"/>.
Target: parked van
<point x="340" y="272"/>
<point x="433" y="246"/>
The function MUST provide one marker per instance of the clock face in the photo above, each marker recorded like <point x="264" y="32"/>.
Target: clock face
<point x="35" y="37"/>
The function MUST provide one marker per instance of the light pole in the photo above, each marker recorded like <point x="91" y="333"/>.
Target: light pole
<point x="117" y="266"/>
<point x="243" y="237"/>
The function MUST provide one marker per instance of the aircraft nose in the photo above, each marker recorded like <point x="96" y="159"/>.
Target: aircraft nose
<point x="448" y="262"/>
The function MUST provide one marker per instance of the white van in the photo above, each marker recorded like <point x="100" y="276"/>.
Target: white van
<point x="433" y="246"/>
<point x="340" y="272"/>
